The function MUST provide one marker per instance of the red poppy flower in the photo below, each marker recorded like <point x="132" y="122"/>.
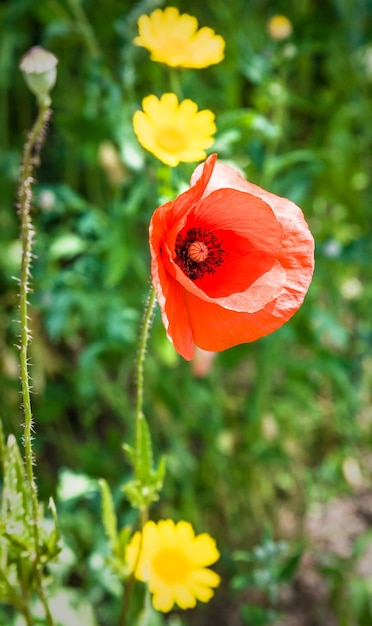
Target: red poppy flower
<point x="230" y="261"/>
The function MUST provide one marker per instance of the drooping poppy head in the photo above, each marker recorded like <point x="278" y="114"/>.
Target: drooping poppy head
<point x="230" y="262"/>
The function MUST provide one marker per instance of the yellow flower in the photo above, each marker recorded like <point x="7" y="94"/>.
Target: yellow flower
<point x="173" y="563"/>
<point x="175" y="40"/>
<point x="173" y="131"/>
<point x="279" y="27"/>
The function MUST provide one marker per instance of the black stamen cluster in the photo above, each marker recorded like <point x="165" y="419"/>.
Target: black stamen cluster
<point x="195" y="270"/>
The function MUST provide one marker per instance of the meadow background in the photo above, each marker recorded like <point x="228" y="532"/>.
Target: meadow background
<point x="270" y="450"/>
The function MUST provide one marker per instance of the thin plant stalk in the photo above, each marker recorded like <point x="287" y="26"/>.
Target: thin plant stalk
<point x="175" y="83"/>
<point x="29" y="160"/>
<point x="85" y="28"/>
<point x="27" y="614"/>
<point x="129" y="583"/>
<point x="142" y="353"/>
<point x="138" y="418"/>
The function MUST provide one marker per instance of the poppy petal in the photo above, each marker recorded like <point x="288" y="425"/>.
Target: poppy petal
<point x="256" y="281"/>
<point x="241" y="213"/>
<point x="250" y="236"/>
<point x="170" y="295"/>
<point x="165" y="216"/>
<point x="215" y="328"/>
<point x="297" y="250"/>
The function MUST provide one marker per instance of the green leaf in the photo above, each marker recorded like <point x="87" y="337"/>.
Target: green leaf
<point x="2" y="447"/>
<point x="74" y="485"/>
<point x="143" y="459"/>
<point x="16" y="497"/>
<point x="159" y="475"/>
<point x="53" y="540"/>
<point x="145" y="487"/>
<point x="9" y="593"/>
<point x="129" y="451"/>
<point x="108" y="515"/>
<point x="247" y="119"/>
<point x="277" y="164"/>
<point x="66" y="246"/>
<point x="134" y="494"/>
<point x="289" y="568"/>
<point x="124" y="536"/>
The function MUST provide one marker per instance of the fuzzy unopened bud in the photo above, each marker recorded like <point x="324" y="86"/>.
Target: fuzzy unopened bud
<point x="39" y="68"/>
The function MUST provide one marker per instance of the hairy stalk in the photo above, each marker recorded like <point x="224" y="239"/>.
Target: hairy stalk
<point x="29" y="160"/>
<point x="138" y="417"/>
<point x="141" y="354"/>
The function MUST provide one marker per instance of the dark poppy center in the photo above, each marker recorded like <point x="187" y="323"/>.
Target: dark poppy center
<point x="198" y="252"/>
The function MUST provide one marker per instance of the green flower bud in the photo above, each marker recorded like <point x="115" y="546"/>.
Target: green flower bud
<point x="39" y="67"/>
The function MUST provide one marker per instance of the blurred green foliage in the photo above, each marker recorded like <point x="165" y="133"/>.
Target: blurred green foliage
<point x="269" y="431"/>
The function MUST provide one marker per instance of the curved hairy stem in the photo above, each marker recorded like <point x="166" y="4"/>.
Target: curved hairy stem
<point x="29" y="160"/>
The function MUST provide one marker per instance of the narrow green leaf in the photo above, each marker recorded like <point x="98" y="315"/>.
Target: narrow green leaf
<point x="8" y="593"/>
<point x="2" y="447"/>
<point x="17" y="541"/>
<point x="133" y="492"/>
<point x="53" y="510"/>
<point x="17" y="503"/>
<point x="289" y="568"/>
<point x="129" y="451"/>
<point x="160" y="472"/>
<point x="53" y="542"/>
<point x="108" y="515"/>
<point x="145" y="487"/>
<point x="124" y="536"/>
<point x="143" y="456"/>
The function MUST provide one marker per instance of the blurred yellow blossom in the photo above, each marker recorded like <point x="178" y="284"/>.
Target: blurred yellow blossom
<point x="279" y="27"/>
<point x="174" y="131"/>
<point x="173" y="562"/>
<point x="174" y="39"/>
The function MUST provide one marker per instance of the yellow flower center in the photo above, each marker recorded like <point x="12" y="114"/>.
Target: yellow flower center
<point x="171" y="139"/>
<point x="171" y="566"/>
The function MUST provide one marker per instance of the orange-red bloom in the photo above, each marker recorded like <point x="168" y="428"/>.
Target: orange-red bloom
<point x="230" y="261"/>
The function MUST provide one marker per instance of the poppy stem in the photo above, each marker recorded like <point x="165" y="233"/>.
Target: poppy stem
<point x="139" y="424"/>
<point x="142" y="352"/>
<point x="29" y="160"/>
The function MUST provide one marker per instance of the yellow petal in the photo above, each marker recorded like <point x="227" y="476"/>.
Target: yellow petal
<point x="184" y="597"/>
<point x="174" y="131"/>
<point x="205" y="577"/>
<point x="204" y="551"/>
<point x="163" y="600"/>
<point x="175" y="40"/>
